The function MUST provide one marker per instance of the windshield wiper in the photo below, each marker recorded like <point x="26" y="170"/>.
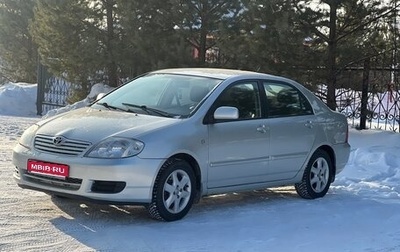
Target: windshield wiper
<point x="148" y="110"/>
<point x="106" y="105"/>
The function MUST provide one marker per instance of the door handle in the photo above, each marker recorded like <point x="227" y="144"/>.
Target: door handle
<point x="309" y="124"/>
<point x="262" y="128"/>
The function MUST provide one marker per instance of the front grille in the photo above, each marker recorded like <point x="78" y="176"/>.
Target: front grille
<point x="108" y="186"/>
<point x="68" y="183"/>
<point x="66" y="147"/>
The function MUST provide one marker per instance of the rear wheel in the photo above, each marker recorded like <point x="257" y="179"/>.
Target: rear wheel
<point x="317" y="176"/>
<point x="173" y="192"/>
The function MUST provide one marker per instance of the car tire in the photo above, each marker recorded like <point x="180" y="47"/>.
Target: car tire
<point x="317" y="176"/>
<point x="173" y="192"/>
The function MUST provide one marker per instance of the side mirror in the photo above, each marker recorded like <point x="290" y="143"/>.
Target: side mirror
<point x="99" y="96"/>
<point x="226" y="113"/>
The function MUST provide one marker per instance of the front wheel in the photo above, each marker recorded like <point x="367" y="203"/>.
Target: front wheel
<point x="173" y="192"/>
<point x="317" y="176"/>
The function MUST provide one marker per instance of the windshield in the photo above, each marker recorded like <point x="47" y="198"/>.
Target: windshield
<point x="160" y="95"/>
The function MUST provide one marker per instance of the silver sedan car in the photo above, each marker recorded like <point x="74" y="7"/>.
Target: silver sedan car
<point x="169" y="137"/>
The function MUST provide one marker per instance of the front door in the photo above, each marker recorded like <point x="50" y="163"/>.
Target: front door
<point x="238" y="149"/>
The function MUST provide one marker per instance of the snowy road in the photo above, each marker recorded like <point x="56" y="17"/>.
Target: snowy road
<point x="360" y="213"/>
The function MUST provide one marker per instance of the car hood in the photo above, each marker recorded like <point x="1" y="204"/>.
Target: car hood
<point x="93" y="125"/>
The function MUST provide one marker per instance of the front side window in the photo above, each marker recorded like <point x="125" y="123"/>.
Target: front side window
<point x="243" y="96"/>
<point x="284" y="100"/>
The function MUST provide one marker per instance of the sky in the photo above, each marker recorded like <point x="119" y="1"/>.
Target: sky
<point x="361" y="211"/>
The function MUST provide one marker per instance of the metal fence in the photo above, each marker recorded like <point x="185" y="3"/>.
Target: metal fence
<point x="383" y="111"/>
<point x="52" y="93"/>
<point x="369" y="96"/>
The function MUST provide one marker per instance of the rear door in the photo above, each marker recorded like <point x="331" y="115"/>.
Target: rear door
<point x="291" y="125"/>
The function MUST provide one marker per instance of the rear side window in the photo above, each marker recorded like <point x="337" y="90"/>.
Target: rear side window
<point x="285" y="100"/>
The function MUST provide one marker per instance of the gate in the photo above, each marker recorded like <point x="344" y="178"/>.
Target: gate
<point x="52" y="91"/>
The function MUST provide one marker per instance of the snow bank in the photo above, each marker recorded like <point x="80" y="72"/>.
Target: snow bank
<point x="373" y="166"/>
<point x="18" y="99"/>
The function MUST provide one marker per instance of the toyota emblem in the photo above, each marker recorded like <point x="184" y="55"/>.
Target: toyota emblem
<point x="58" y="140"/>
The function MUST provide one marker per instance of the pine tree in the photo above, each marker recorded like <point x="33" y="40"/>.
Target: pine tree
<point x="335" y="23"/>
<point x="201" y="22"/>
<point x="151" y="39"/>
<point x="18" y="53"/>
<point x="78" y="41"/>
<point x="264" y="37"/>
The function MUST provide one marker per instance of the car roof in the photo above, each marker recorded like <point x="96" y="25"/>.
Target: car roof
<point x="217" y="73"/>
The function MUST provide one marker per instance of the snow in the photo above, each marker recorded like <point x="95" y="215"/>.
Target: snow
<point x="360" y="212"/>
<point x="95" y="90"/>
<point x="18" y="99"/>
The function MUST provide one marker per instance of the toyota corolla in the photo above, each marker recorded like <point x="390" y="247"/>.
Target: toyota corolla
<point x="169" y="137"/>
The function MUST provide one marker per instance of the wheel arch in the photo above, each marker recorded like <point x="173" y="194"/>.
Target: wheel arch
<point x="196" y="169"/>
<point x="328" y="149"/>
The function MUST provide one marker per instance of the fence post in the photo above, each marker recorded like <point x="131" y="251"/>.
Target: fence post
<point x="364" y="94"/>
<point x="40" y="89"/>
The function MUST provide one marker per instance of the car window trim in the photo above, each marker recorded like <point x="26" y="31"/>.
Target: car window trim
<point x="208" y="118"/>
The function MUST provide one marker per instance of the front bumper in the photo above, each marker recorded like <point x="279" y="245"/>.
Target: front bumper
<point x="119" y="181"/>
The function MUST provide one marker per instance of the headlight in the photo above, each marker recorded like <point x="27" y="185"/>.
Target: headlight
<point x="116" y="147"/>
<point x="26" y="139"/>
